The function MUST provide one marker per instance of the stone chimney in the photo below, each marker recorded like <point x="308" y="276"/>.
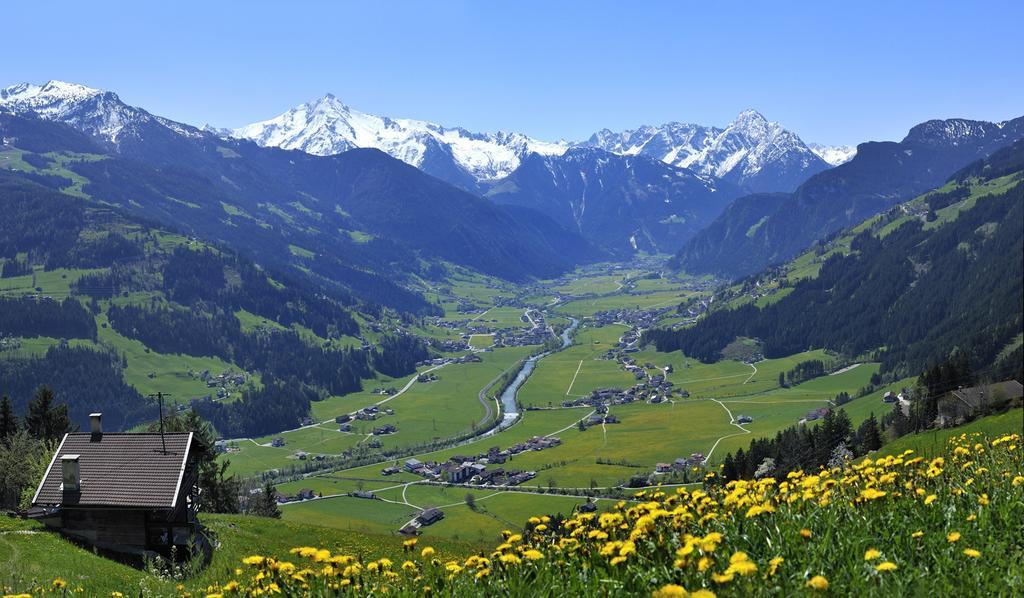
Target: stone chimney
<point x="70" y="473"/>
<point x="95" y="419"/>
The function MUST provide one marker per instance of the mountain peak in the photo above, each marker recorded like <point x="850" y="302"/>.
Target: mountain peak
<point x="750" y="115"/>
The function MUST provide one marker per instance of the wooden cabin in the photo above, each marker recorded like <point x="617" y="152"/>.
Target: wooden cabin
<point x="124" y="492"/>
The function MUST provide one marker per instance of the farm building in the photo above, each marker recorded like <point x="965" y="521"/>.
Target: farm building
<point x="124" y="492"/>
<point x="430" y="516"/>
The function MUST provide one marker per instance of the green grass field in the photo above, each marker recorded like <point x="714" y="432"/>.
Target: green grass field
<point x="55" y="283"/>
<point x="576" y="370"/>
<point x="935" y="441"/>
<point x="430" y="411"/>
<point x="495" y="511"/>
<point x="41" y="556"/>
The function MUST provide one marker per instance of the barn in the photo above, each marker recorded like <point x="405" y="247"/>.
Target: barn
<point x="134" y="493"/>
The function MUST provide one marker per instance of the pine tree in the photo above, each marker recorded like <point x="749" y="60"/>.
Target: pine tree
<point x="869" y="435"/>
<point x="265" y="504"/>
<point x="8" y="421"/>
<point x="45" y="419"/>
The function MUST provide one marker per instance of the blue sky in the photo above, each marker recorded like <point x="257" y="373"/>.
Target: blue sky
<point x="832" y="72"/>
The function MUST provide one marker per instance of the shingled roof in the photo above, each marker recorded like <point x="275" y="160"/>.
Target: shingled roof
<point x="119" y="470"/>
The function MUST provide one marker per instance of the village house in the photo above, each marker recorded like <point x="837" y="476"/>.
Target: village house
<point x="430" y="516"/>
<point x="134" y="493"/>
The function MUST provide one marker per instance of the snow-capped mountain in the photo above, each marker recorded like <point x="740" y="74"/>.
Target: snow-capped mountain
<point x="95" y="112"/>
<point x="327" y="126"/>
<point x="834" y="154"/>
<point x="751" y="151"/>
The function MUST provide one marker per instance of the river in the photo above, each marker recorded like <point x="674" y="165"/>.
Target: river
<point x="509" y="408"/>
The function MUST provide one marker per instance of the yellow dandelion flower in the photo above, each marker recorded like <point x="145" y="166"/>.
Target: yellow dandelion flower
<point x="871" y="554"/>
<point x="427" y="552"/>
<point x="930" y="499"/>
<point x="886" y="566"/>
<point x="721" y="578"/>
<point x="670" y="591"/>
<point x="702" y="594"/>
<point x="533" y="554"/>
<point x="805" y="533"/>
<point x="917" y="534"/>
<point x="618" y="560"/>
<point x="972" y="553"/>
<point x="818" y="582"/>
<point x="952" y="537"/>
<point x="253" y="560"/>
<point x="773" y="565"/>
<point x="703" y="564"/>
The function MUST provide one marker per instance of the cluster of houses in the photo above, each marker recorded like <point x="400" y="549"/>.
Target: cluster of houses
<point x="223" y="382"/>
<point x="369" y="414"/>
<point x="301" y="495"/>
<point x="478" y="470"/>
<point x="680" y="464"/>
<point x="449" y="345"/>
<point x="635" y="318"/>
<point x="520" y="337"/>
<point x="470" y="358"/>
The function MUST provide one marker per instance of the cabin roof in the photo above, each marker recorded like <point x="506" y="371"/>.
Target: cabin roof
<point x="119" y="470"/>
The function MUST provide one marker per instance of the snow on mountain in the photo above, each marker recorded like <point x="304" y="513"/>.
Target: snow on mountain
<point x="328" y="126"/>
<point x="751" y="151"/>
<point x="93" y="111"/>
<point x="834" y="154"/>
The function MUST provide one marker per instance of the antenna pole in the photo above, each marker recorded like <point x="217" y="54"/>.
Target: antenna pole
<point x="160" y="399"/>
<point x="163" y="442"/>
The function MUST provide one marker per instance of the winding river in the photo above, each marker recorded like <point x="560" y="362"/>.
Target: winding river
<point x="509" y="408"/>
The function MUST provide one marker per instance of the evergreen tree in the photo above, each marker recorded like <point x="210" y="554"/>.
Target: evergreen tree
<point x="869" y="435"/>
<point x="8" y="421"/>
<point x="45" y="419"/>
<point x="265" y="504"/>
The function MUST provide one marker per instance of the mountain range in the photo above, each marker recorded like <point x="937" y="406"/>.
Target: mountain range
<point x="750" y="152"/>
<point x="353" y="222"/>
<point x="758" y="230"/>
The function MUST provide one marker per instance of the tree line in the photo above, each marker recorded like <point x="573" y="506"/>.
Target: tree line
<point x="918" y="292"/>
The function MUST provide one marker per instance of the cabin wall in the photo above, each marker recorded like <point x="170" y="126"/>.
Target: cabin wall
<point x="125" y="529"/>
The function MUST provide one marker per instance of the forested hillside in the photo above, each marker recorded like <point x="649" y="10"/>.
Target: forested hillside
<point x="942" y="275"/>
<point x="360" y="223"/>
<point x="121" y="297"/>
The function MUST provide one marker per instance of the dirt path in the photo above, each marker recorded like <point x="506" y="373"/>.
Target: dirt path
<point x="732" y="420"/>
<point x="752" y="374"/>
<point x="846" y="369"/>
<point x="578" y="368"/>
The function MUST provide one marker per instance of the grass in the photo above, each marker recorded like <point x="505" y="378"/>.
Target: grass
<point x="427" y="412"/>
<point x="934" y="442"/>
<point x="37" y="557"/>
<point x="54" y="283"/>
<point x="175" y="375"/>
<point x="576" y="370"/>
<point x="496" y="510"/>
<point x="653" y="300"/>
<point x="878" y="527"/>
